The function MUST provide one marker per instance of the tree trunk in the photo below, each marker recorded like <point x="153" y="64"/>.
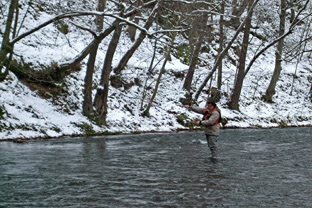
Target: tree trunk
<point x="193" y="35"/>
<point x="278" y="56"/>
<point x="292" y="15"/>
<point x="101" y="97"/>
<point x="310" y="93"/>
<point x="221" y="44"/>
<point x="87" y="106"/>
<point x="100" y="19"/>
<point x="13" y="36"/>
<point x="233" y="104"/>
<point x="146" y="112"/>
<point x="237" y="12"/>
<point x="190" y="73"/>
<point x="200" y="29"/>
<point x="234" y="7"/>
<point x="6" y="47"/>
<point x="132" y="30"/>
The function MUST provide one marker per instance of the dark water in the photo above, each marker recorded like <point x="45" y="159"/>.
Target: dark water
<point x="255" y="168"/>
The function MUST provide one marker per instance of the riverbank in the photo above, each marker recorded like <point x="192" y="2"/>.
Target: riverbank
<point x="24" y="140"/>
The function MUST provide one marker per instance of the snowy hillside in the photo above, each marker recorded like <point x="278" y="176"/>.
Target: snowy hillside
<point x="27" y="115"/>
<point x="24" y="114"/>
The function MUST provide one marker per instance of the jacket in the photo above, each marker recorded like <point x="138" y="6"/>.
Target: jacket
<point x="210" y="128"/>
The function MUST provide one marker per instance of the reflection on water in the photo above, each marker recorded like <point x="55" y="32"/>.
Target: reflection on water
<point x="255" y="168"/>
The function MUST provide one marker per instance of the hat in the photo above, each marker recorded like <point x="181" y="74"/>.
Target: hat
<point x="211" y="100"/>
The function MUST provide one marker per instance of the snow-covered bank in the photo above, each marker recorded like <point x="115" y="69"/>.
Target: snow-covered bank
<point x="26" y="115"/>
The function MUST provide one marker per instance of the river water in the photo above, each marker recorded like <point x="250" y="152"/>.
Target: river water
<point x="255" y="168"/>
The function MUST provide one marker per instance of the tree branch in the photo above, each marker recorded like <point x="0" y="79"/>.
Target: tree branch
<point x="291" y="28"/>
<point x="78" y="14"/>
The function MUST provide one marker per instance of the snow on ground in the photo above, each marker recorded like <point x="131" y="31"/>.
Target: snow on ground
<point x="26" y="115"/>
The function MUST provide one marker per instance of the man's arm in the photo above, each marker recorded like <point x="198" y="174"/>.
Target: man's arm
<point x="195" y="109"/>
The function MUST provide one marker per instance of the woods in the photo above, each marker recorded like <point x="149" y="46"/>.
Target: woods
<point x="202" y="34"/>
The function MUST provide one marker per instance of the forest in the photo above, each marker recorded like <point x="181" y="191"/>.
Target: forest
<point x="103" y="41"/>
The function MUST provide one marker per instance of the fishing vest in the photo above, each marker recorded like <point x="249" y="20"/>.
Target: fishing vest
<point x="208" y="113"/>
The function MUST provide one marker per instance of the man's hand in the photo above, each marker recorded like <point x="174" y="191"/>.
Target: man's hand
<point x="198" y="123"/>
<point x="186" y="106"/>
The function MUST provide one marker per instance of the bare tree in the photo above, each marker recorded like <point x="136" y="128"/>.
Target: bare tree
<point x="238" y="7"/>
<point x="6" y="46"/>
<point x="123" y="62"/>
<point x="293" y="25"/>
<point x="221" y="40"/>
<point x="101" y="97"/>
<point x="194" y="59"/>
<point x="197" y="36"/>
<point x="132" y="30"/>
<point x="278" y="55"/>
<point x="87" y="106"/>
<point x="224" y="51"/>
<point x="301" y="48"/>
<point x="99" y="20"/>
<point x="233" y="104"/>
<point x="149" y="73"/>
<point x="162" y="70"/>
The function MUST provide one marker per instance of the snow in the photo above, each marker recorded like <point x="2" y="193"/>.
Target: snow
<point x="27" y="115"/>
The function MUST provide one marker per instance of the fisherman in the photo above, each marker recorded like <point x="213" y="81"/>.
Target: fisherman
<point x="211" y="119"/>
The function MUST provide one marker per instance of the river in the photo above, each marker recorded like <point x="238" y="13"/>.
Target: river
<point x="254" y="168"/>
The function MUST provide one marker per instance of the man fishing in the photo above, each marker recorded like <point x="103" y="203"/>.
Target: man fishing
<point x="211" y="119"/>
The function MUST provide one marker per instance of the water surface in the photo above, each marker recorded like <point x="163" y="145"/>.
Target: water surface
<point x="255" y="168"/>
